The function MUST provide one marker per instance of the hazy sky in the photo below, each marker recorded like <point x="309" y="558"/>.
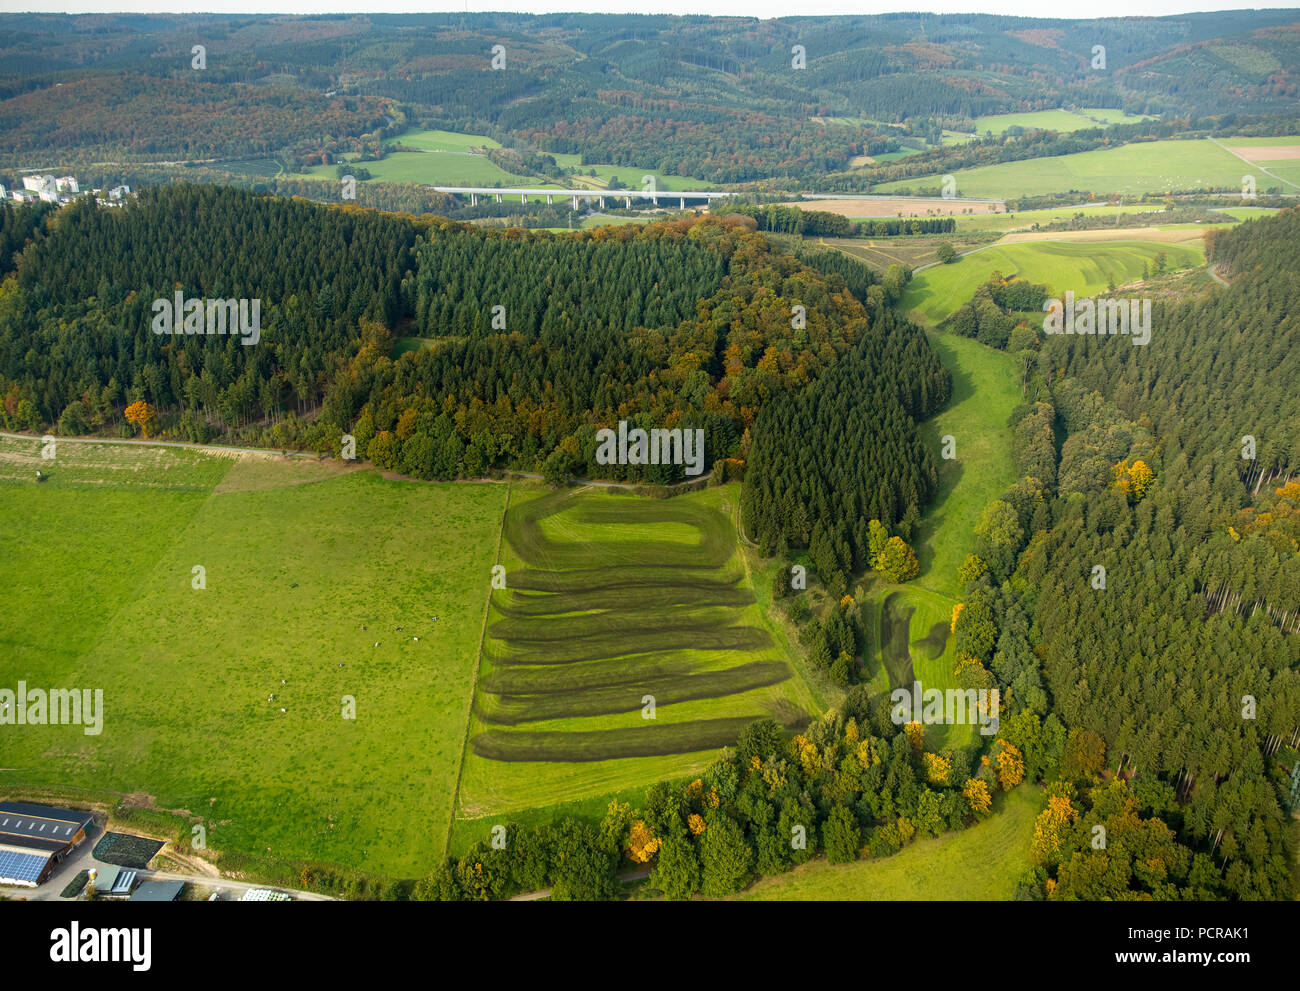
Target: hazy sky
<point x="749" y="8"/>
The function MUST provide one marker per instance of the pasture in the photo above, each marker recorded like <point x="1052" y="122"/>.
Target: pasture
<point x="1086" y="268"/>
<point x="911" y="252"/>
<point x="985" y="389"/>
<point x="981" y="863"/>
<point x="909" y="625"/>
<point x="435" y="140"/>
<point x="1024" y="220"/>
<point x="1053" y="120"/>
<point x="911" y="640"/>
<point x="447" y="158"/>
<point x="609" y="599"/>
<point x="437" y="168"/>
<point x="309" y="570"/>
<point x="1145" y="167"/>
<point x="873" y="207"/>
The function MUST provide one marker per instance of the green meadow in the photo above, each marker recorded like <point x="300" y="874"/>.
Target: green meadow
<point x="1249" y="212"/>
<point x="985" y="389"/>
<point x="909" y="625"/>
<point x="1292" y="141"/>
<point x="1053" y="120"/>
<point x="306" y="567"/>
<point x="630" y="176"/>
<point x="981" y="863"/>
<point x="435" y="140"/>
<point x="447" y="158"/>
<point x="1084" y="267"/>
<point x="1145" y="167"/>
<point x="436" y="168"/>
<point x="1024" y="220"/>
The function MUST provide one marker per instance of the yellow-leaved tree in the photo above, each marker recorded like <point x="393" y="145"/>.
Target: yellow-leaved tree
<point x="915" y="735"/>
<point x="937" y="768"/>
<point x="142" y="415"/>
<point x="1050" y="827"/>
<point x="1009" y="764"/>
<point x="642" y="843"/>
<point x="1133" y="479"/>
<point x="976" y="793"/>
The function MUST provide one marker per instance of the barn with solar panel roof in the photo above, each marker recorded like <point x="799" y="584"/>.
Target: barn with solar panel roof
<point x="34" y="838"/>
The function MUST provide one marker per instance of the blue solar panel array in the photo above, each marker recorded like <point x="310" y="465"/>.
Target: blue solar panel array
<point x="22" y="866"/>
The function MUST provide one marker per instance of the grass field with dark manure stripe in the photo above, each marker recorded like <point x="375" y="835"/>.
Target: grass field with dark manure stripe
<point x="586" y="627"/>
<point x="649" y="741"/>
<point x="585" y="581"/>
<point x="935" y="642"/>
<point x="614" y="624"/>
<point x="513" y="709"/>
<point x="528" y="679"/>
<point x="634" y="539"/>
<point x="895" y="620"/>
<point x="613" y="600"/>
<point x="616" y="642"/>
<point x="636" y="597"/>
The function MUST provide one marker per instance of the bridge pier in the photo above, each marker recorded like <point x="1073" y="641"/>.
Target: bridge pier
<point x="498" y="197"/>
<point x="524" y="198"/>
<point x="575" y="202"/>
<point x="602" y="202"/>
<point x="550" y="200"/>
<point x="683" y="202"/>
<point x="628" y="201"/>
<point x="473" y="199"/>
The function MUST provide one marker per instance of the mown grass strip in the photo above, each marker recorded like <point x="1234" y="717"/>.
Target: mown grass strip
<point x="586" y="626"/>
<point x="597" y="745"/>
<point x="520" y="605"/>
<point x="618" y="643"/>
<point x="512" y="710"/>
<point x="645" y="576"/>
<point x="530" y="680"/>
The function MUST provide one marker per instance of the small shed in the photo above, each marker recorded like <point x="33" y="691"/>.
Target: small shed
<point x="157" y="891"/>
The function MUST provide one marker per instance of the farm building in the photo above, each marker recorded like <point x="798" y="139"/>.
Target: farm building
<point x="112" y="880"/>
<point x="157" y="891"/>
<point x="34" y="838"/>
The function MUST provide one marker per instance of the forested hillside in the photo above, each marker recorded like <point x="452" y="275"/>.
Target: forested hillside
<point x="723" y="99"/>
<point x="1157" y="588"/>
<point x="523" y="344"/>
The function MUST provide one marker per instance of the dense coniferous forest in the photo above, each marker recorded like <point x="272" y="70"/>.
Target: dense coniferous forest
<point x="523" y="345"/>
<point x="1174" y="670"/>
<point x="846" y="450"/>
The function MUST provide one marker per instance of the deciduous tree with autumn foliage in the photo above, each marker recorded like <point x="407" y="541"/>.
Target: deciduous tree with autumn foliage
<point x="142" y="415"/>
